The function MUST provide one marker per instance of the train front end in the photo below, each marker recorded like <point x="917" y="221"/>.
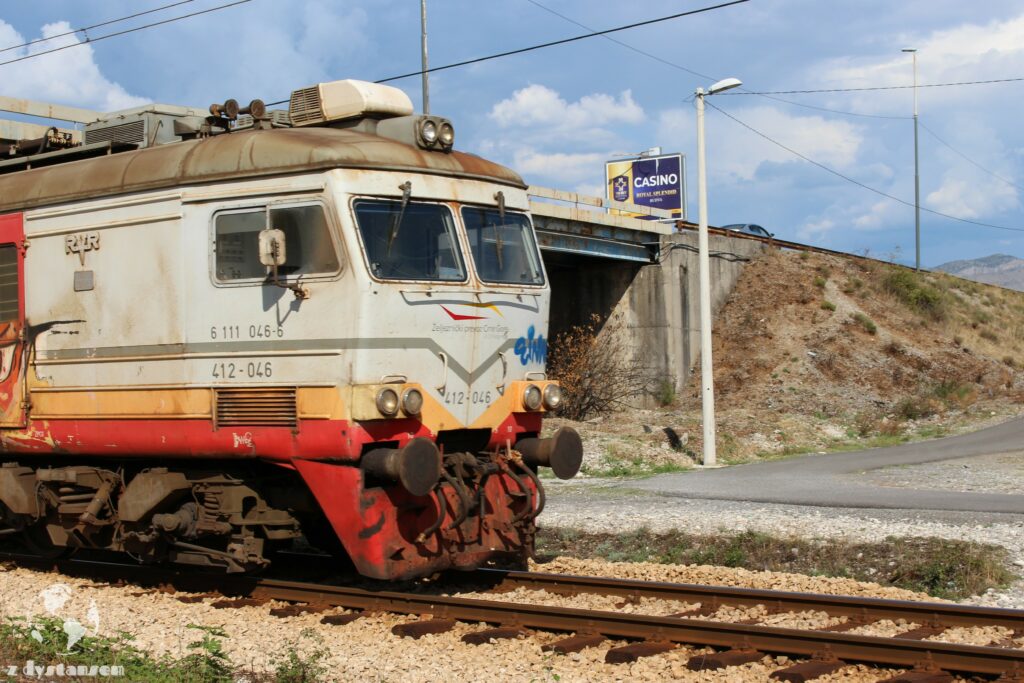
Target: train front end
<point x="448" y="387"/>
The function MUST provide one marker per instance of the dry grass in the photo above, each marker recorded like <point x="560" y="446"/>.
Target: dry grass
<point x="939" y="567"/>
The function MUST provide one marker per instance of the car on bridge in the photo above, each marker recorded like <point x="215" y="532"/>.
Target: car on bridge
<point x="749" y="229"/>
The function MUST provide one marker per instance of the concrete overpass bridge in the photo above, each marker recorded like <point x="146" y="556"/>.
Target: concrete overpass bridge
<point x="638" y="276"/>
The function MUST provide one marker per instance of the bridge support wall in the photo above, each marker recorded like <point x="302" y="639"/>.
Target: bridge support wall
<point x="654" y="307"/>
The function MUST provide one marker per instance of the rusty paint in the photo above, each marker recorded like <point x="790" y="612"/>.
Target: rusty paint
<point x="245" y="155"/>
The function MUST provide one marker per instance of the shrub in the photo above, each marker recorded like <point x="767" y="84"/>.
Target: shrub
<point x="852" y="285"/>
<point x="910" y="288"/>
<point x="828" y="306"/>
<point x="597" y="375"/>
<point x="989" y="335"/>
<point x="867" y="323"/>
<point x="666" y="393"/>
<point x="819" y="282"/>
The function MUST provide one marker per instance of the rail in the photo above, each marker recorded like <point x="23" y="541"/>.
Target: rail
<point x="824" y="649"/>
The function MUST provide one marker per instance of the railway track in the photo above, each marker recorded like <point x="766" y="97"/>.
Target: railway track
<point x="822" y="650"/>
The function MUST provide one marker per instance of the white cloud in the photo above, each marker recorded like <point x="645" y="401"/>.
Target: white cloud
<point x="70" y="76"/>
<point x="966" y="195"/>
<point x="560" y="168"/>
<point x="538" y="105"/>
<point x="739" y="153"/>
<point x="962" y="53"/>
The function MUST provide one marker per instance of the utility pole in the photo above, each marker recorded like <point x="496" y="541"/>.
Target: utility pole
<point x="423" y="46"/>
<point x="707" y="377"/>
<point x="917" y="173"/>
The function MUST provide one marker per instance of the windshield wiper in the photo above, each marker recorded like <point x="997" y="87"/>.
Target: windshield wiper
<point x="396" y="219"/>
<point x="500" y="196"/>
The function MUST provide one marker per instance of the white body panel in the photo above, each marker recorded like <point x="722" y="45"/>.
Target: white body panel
<point x="156" y="316"/>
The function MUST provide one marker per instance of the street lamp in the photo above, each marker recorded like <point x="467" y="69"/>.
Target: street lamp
<point x="707" y="379"/>
<point x="917" y="175"/>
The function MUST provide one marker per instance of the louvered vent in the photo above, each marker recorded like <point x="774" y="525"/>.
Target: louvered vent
<point x="278" y="118"/>
<point x="305" y="106"/>
<point x="131" y="132"/>
<point x="275" y="407"/>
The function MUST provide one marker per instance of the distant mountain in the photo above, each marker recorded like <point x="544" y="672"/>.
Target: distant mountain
<point x="997" y="269"/>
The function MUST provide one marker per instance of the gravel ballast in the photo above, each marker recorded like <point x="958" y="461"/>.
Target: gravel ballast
<point x="367" y="650"/>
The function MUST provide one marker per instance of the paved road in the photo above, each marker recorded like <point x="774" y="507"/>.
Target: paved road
<point x="830" y="480"/>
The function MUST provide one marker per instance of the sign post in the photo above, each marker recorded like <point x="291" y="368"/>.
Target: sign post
<point x="655" y="181"/>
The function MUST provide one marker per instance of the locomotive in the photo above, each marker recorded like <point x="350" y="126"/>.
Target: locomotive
<point x="225" y="334"/>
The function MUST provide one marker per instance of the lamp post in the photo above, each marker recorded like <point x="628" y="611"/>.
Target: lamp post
<point x="917" y="174"/>
<point x="706" y="375"/>
<point x="423" y="55"/>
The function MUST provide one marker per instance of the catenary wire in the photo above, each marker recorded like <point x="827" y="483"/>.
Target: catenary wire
<point x="704" y="76"/>
<point x="967" y="158"/>
<point x="854" y="181"/>
<point x="129" y="30"/>
<point x="102" y="23"/>
<point x="877" y="87"/>
<point x="553" y="43"/>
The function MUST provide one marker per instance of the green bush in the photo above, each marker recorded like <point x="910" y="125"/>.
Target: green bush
<point x="828" y="306"/>
<point x="867" y="323"/>
<point x="911" y="289"/>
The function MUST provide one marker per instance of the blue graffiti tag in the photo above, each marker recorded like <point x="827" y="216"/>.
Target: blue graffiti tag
<point x="530" y="349"/>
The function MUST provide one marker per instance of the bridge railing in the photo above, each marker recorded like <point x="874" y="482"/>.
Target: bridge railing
<point x="573" y="206"/>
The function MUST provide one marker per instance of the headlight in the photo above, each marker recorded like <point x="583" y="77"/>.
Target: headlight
<point x="446" y="135"/>
<point x="552" y="396"/>
<point x="387" y="402"/>
<point x="428" y="131"/>
<point x="532" y="397"/>
<point x="412" y="401"/>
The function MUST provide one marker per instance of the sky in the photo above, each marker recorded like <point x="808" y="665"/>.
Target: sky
<point x="556" y="115"/>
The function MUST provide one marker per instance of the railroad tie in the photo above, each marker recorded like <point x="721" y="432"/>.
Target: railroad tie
<point x="705" y="610"/>
<point x="418" y="629"/>
<point x="807" y="671"/>
<point x="926" y="675"/>
<point x="489" y="634"/>
<point x="630" y="653"/>
<point x="574" y="644"/>
<point x="296" y="610"/>
<point x="722" y="660"/>
<point x="239" y="602"/>
<point x="340" y="619"/>
<point x="923" y="631"/>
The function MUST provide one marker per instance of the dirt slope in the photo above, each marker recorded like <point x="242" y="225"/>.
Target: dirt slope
<point x="816" y="352"/>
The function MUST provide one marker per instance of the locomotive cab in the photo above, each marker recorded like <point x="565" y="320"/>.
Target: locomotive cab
<point x="328" y="324"/>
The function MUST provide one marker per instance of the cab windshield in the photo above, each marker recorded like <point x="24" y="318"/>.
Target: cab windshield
<point x="503" y="247"/>
<point x="412" y="242"/>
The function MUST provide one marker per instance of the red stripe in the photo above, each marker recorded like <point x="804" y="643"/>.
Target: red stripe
<point x="456" y="316"/>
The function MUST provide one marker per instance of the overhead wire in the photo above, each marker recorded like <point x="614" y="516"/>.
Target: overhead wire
<point x="563" y="41"/>
<point x="553" y="43"/>
<point x="126" y="31"/>
<point x="853" y="180"/>
<point x="84" y="29"/>
<point x="967" y="158"/>
<point x="697" y="73"/>
<point x="877" y="87"/>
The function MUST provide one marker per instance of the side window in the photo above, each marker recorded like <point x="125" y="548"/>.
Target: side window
<point x="238" y="245"/>
<point x="308" y="243"/>
<point x="8" y="282"/>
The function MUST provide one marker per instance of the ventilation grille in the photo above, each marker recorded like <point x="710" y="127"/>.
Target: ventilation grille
<point x="305" y="107"/>
<point x="131" y="132"/>
<point x="256" y="407"/>
<point x="278" y="118"/>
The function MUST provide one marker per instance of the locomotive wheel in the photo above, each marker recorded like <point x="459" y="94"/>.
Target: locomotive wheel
<point x="37" y="540"/>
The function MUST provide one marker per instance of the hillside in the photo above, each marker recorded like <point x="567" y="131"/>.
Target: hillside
<point x="997" y="269"/>
<point x="816" y="352"/>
